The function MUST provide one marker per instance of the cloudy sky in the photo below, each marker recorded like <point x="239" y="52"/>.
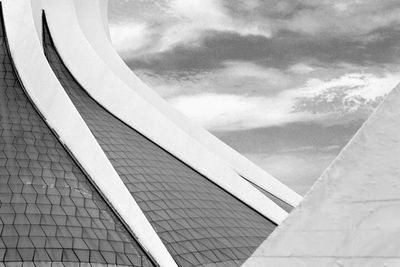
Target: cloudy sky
<point x="285" y="82"/>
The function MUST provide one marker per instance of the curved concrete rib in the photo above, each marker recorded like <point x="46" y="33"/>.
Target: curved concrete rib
<point x="351" y="216"/>
<point x="53" y="103"/>
<point x="92" y="15"/>
<point x="114" y="95"/>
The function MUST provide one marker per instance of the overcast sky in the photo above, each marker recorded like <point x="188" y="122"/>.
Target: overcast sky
<point x="285" y="82"/>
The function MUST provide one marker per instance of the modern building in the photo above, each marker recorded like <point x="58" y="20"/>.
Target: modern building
<point x="97" y="170"/>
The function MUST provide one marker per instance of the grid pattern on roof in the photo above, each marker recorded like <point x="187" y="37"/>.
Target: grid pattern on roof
<point x="49" y="210"/>
<point x="199" y="222"/>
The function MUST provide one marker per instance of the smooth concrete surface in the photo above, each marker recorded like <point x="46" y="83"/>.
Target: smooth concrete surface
<point x="351" y="216"/>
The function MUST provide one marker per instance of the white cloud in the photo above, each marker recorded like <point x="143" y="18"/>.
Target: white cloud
<point x="344" y="18"/>
<point x="244" y="95"/>
<point x="300" y="68"/>
<point x="234" y="112"/>
<point x="132" y="35"/>
<point x="223" y="111"/>
<point x="247" y="69"/>
<point x="180" y="22"/>
<point x="197" y="17"/>
<point x="184" y="22"/>
<point x="233" y="78"/>
<point x="269" y="78"/>
<point x="367" y="85"/>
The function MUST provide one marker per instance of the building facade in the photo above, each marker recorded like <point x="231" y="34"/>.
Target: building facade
<point x="97" y="170"/>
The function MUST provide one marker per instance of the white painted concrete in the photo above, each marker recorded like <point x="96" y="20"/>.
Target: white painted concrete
<point x="92" y="16"/>
<point x="52" y="101"/>
<point x="37" y="16"/>
<point x="113" y="94"/>
<point x="351" y="216"/>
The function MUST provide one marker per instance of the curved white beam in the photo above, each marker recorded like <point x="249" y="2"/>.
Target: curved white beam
<point x="113" y="94"/>
<point x="92" y="15"/>
<point x="50" y="98"/>
<point x="37" y="16"/>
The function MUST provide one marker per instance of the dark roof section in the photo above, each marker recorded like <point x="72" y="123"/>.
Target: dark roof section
<point x="198" y="221"/>
<point x="49" y="209"/>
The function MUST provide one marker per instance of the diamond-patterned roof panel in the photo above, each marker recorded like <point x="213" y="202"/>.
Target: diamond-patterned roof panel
<point x="199" y="222"/>
<point x="49" y="210"/>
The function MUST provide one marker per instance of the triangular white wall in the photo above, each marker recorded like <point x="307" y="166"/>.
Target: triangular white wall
<point x="351" y="216"/>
